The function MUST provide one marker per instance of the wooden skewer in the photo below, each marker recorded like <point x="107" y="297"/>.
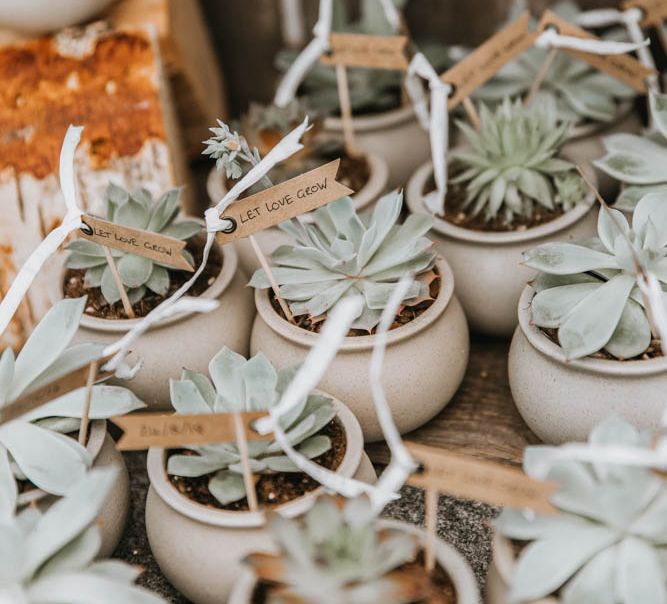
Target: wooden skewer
<point x="269" y="273"/>
<point x="539" y="78"/>
<point x="85" y="421"/>
<point x="431" y="512"/>
<point x="346" y="110"/>
<point x="119" y="284"/>
<point x="471" y="112"/>
<point x="248" y="480"/>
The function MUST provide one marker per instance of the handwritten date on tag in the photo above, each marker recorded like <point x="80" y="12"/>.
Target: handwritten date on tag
<point x="145" y="430"/>
<point x="655" y="11"/>
<point x="282" y="202"/>
<point x="623" y="67"/>
<point x="361" y="50"/>
<point x="484" y="62"/>
<point x="155" y="246"/>
<point x="485" y="481"/>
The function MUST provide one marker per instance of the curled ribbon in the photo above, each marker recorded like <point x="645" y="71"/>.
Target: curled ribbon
<point x="550" y="38"/>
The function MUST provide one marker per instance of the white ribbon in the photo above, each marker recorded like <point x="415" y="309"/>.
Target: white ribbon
<point x="652" y="292"/>
<point x="391" y="14"/>
<point x="437" y="123"/>
<point x="55" y="238"/>
<point x="550" y="38"/>
<point x="291" y="81"/>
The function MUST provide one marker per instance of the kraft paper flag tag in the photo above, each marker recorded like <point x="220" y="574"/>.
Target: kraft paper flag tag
<point x="145" y="430"/>
<point x="623" y="67"/>
<point x="73" y="380"/>
<point x="155" y="246"/>
<point x="286" y="200"/>
<point x="361" y="50"/>
<point x="484" y="62"/>
<point x="654" y="12"/>
<point x="485" y="481"/>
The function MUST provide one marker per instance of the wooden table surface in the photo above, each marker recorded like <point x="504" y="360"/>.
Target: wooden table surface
<point x="481" y="420"/>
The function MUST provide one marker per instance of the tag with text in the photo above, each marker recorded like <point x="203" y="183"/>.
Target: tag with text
<point x="484" y="62"/>
<point x="160" y="248"/>
<point x="360" y="50"/>
<point x="655" y="11"/>
<point x="50" y="391"/>
<point x="485" y="481"/>
<point x="145" y="430"/>
<point x="623" y="67"/>
<point x="291" y="198"/>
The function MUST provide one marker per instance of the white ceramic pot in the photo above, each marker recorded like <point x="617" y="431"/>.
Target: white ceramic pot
<point x="272" y="238"/>
<point x="200" y="548"/>
<point x="113" y="515"/>
<point x="501" y="570"/>
<point x="189" y="340"/>
<point x="424" y="364"/>
<point x="488" y="265"/>
<point x="563" y="400"/>
<point x="43" y="16"/>
<point x="394" y="135"/>
<point x="448" y="558"/>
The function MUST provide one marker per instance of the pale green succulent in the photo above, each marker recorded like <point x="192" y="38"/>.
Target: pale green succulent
<point x="37" y="443"/>
<point x="639" y="161"/>
<point x="336" y="556"/>
<point x="138" y="273"/>
<point x="50" y="558"/>
<point x="347" y="255"/>
<point x="608" y="542"/>
<point x="511" y="165"/>
<point x="589" y="292"/>
<point x="245" y="385"/>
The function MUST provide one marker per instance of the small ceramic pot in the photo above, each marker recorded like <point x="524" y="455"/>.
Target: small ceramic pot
<point x="395" y="136"/>
<point x="113" y="515"/>
<point x="488" y="265"/>
<point x="273" y="237"/>
<point x="424" y="364"/>
<point x="447" y="557"/>
<point x="563" y="400"/>
<point x="200" y="548"/>
<point x="189" y="340"/>
<point x="43" y="16"/>
<point x="501" y="570"/>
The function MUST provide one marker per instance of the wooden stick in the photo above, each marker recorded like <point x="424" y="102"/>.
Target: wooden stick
<point x="85" y="421"/>
<point x="248" y="480"/>
<point x="272" y="279"/>
<point x="119" y="283"/>
<point x="662" y="35"/>
<point x="431" y="522"/>
<point x="539" y="78"/>
<point x="472" y="114"/>
<point x="346" y="110"/>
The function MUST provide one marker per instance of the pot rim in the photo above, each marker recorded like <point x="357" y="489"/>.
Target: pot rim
<point x="214" y="291"/>
<point x="354" y="343"/>
<point x="231" y="519"/>
<point x="96" y="436"/>
<point x="547" y="347"/>
<point x="584" y="130"/>
<point x="374" y="121"/>
<point x="414" y="199"/>
<point x="449" y="559"/>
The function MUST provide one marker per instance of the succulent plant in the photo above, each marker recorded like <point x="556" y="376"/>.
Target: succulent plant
<point x="639" y="161"/>
<point x="50" y="557"/>
<point x="245" y="385"/>
<point x="588" y="291"/>
<point x="607" y="544"/>
<point x="38" y="448"/>
<point x="339" y="556"/>
<point x="346" y="255"/>
<point x="510" y="165"/>
<point x="138" y="273"/>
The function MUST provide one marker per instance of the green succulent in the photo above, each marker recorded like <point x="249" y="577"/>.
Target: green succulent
<point x="345" y="255"/>
<point x="639" y="161"/>
<point x="37" y="443"/>
<point x="50" y="557"/>
<point x="336" y="556"/>
<point x="138" y="273"/>
<point x="245" y="385"/>
<point x="589" y="292"/>
<point x="608" y="542"/>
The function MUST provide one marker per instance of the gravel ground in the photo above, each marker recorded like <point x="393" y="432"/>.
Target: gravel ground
<point x="464" y="524"/>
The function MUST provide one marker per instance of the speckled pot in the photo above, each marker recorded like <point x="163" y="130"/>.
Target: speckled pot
<point x="448" y="559"/>
<point x="424" y="364"/>
<point x="487" y="266"/>
<point x="271" y="238"/>
<point x="395" y="136"/>
<point x="563" y="400"/>
<point x="43" y="16"/>
<point x="500" y="573"/>
<point x="188" y="340"/>
<point x="114" y="512"/>
<point x="199" y="549"/>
